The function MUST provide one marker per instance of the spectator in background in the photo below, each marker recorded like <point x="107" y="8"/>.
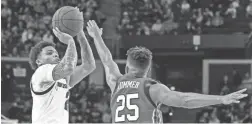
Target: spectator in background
<point x="79" y="119"/>
<point x="4" y="47"/>
<point x="217" y="20"/>
<point x="237" y="80"/>
<point x="190" y="28"/>
<point x="246" y="77"/>
<point x="26" y="110"/>
<point x="156" y="27"/>
<point x="37" y="38"/>
<point x="92" y="94"/>
<point x="208" y="13"/>
<point x="231" y="11"/>
<point x="26" y="49"/>
<point x="249" y="9"/>
<point x="168" y="2"/>
<point x="96" y="114"/>
<point x="207" y="17"/>
<point x="15" y="110"/>
<point x="14" y="52"/>
<point x="126" y="27"/>
<point x="15" y="35"/>
<point x="204" y="117"/>
<point x="48" y="36"/>
<point x="47" y="19"/>
<point x="5" y="13"/>
<point x="235" y="119"/>
<point x="106" y="117"/>
<point x="143" y="29"/>
<point x="21" y="26"/>
<point x="225" y="85"/>
<point x="169" y="26"/>
<point x="198" y="16"/>
<point x="236" y="3"/>
<point x="168" y="15"/>
<point x="225" y="115"/>
<point x="185" y="6"/>
<point x="248" y="117"/>
<point x="213" y="117"/>
<point x="27" y="35"/>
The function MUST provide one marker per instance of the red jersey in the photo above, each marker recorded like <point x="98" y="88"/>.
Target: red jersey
<point x="131" y="101"/>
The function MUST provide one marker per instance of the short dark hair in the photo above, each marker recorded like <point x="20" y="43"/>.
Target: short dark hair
<point x="35" y="51"/>
<point x="139" y="57"/>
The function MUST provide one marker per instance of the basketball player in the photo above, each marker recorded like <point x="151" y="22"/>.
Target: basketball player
<point x="136" y="98"/>
<point x="53" y="77"/>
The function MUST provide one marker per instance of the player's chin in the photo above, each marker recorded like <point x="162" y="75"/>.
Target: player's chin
<point x="56" y="62"/>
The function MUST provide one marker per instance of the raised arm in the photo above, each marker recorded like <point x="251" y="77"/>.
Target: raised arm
<point x="111" y="69"/>
<point x="87" y="58"/>
<point x="161" y="93"/>
<point x="69" y="61"/>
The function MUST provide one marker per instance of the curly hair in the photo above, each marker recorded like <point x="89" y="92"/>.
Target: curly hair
<point x="35" y="51"/>
<point x="139" y="56"/>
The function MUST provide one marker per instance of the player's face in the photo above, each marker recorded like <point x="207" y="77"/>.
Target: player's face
<point x="48" y="55"/>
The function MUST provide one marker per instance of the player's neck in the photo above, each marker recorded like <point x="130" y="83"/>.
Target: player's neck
<point x="138" y="74"/>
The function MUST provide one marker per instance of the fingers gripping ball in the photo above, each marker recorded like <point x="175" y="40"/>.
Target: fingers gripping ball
<point x="68" y="20"/>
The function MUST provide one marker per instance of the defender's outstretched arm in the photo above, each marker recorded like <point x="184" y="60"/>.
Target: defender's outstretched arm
<point x="162" y="94"/>
<point x="111" y="68"/>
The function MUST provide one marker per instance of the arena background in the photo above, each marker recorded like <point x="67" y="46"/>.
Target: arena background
<point x="203" y="47"/>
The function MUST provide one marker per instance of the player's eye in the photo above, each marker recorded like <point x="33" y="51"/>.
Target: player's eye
<point x="49" y="53"/>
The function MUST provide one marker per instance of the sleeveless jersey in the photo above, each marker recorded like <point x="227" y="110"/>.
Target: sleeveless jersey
<point x="51" y="105"/>
<point x="131" y="102"/>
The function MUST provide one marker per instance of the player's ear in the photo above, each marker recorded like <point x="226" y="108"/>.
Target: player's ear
<point x="38" y="62"/>
<point x="149" y="71"/>
<point x="126" y="69"/>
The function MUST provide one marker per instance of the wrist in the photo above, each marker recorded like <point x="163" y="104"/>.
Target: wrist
<point x="69" y="40"/>
<point x="81" y="38"/>
<point x="97" y="34"/>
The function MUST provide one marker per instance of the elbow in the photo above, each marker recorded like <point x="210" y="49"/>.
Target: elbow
<point x="88" y="67"/>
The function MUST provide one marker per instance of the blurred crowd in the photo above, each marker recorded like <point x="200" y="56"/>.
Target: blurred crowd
<point x="234" y="113"/>
<point x="158" y="17"/>
<point x="26" y="22"/>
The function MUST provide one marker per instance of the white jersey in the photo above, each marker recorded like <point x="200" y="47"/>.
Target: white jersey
<point x="51" y="105"/>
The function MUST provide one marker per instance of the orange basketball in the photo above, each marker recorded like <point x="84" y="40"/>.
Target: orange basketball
<point x="68" y="20"/>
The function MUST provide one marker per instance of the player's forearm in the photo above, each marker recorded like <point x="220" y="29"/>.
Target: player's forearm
<point x="102" y="49"/>
<point x="70" y="58"/>
<point x="194" y="100"/>
<point x="68" y="62"/>
<point x="86" y="52"/>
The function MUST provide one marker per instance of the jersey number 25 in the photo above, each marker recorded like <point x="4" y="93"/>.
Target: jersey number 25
<point x="129" y="106"/>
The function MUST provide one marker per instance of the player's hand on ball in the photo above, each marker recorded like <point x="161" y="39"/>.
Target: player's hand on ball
<point x="234" y="97"/>
<point x="63" y="37"/>
<point x="93" y="29"/>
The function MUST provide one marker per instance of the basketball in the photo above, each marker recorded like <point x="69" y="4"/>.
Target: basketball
<point x="68" y="20"/>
